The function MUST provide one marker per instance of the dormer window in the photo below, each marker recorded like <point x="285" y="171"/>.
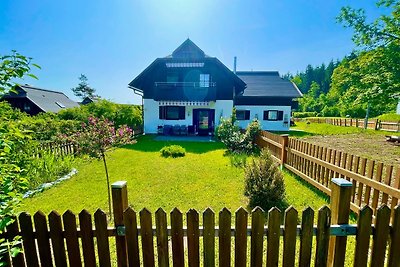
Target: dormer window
<point x="204" y="80"/>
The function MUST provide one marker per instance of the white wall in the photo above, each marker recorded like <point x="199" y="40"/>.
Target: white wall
<point x="151" y="114"/>
<point x="258" y="111"/>
<point x="398" y="107"/>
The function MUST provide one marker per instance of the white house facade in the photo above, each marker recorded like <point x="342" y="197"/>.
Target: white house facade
<point x="188" y="92"/>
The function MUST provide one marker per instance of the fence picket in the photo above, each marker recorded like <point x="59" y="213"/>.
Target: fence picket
<point x="396" y="185"/>
<point x="257" y="237"/>
<point x="85" y="224"/>
<point x="12" y="231"/>
<point x="378" y="178"/>
<point x="394" y="259"/>
<point x="381" y="236"/>
<point x="355" y="169"/>
<point x="364" y="230"/>
<point x="25" y="223"/>
<point x="370" y="175"/>
<point x="241" y="216"/>
<point x="146" y="233"/>
<point x="177" y="237"/>
<point x="289" y="237"/>
<point x="224" y="237"/>
<point x="322" y="238"/>
<point x="162" y="239"/>
<point x="103" y="246"/>
<point x="388" y="180"/>
<point x="209" y="237"/>
<point x="43" y="237"/>
<point x="71" y="238"/>
<point x="274" y="223"/>
<point x="307" y="223"/>
<point x="57" y="240"/>
<point x="132" y="237"/>
<point x="193" y="235"/>
<point x="361" y="185"/>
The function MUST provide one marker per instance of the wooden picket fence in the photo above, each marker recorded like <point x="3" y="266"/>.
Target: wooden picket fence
<point x="263" y="239"/>
<point x="374" y="124"/>
<point x="374" y="183"/>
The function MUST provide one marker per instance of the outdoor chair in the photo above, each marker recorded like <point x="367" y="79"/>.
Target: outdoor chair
<point x="160" y="129"/>
<point x="191" y="129"/>
<point x="176" y="129"/>
<point x="184" y="130"/>
<point x="167" y="129"/>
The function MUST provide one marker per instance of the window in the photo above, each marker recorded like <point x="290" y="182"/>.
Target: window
<point x="242" y="115"/>
<point x="172" y="113"/>
<point x="204" y="80"/>
<point x="61" y="105"/>
<point x="273" y="115"/>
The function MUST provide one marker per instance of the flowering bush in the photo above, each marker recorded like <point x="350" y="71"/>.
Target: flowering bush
<point x="95" y="138"/>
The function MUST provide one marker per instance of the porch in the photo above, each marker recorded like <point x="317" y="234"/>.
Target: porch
<point x="188" y="138"/>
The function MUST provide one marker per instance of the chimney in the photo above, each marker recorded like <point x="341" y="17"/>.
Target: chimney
<point x="234" y="64"/>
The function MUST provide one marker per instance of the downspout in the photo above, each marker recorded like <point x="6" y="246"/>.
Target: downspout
<point x="139" y="93"/>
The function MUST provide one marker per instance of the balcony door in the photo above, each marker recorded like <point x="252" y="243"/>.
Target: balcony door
<point x="204" y="120"/>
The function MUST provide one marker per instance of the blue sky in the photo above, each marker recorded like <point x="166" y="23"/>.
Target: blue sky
<point x="113" y="41"/>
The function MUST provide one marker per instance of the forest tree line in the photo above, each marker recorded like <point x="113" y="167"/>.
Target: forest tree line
<point x="368" y="78"/>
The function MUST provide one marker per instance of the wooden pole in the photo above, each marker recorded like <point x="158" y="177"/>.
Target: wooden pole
<point x="120" y="204"/>
<point x="284" y="142"/>
<point x="340" y="207"/>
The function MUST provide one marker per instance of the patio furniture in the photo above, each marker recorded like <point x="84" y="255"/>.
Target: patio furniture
<point x="167" y="129"/>
<point x="176" y="129"/>
<point x="184" y="130"/>
<point x="191" y="130"/>
<point x="160" y="129"/>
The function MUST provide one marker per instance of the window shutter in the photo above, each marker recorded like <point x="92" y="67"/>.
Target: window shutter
<point x="182" y="113"/>
<point x="265" y="115"/>
<point x="247" y="115"/>
<point x="280" y="115"/>
<point x="161" y="113"/>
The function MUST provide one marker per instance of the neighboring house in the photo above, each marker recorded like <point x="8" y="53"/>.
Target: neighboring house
<point x="33" y="100"/>
<point x="193" y="89"/>
<point x="88" y="100"/>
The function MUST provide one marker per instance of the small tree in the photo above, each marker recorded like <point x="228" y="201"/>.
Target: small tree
<point x="264" y="184"/>
<point x="95" y="138"/>
<point x="83" y="89"/>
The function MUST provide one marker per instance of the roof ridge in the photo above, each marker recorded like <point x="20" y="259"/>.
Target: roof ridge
<point x="40" y="89"/>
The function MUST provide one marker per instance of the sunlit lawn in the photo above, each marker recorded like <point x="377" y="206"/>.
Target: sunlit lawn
<point x="203" y="178"/>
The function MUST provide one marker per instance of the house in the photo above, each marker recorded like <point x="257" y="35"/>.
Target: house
<point x="87" y="100"/>
<point x="33" y="100"/>
<point x="398" y="107"/>
<point x="190" y="88"/>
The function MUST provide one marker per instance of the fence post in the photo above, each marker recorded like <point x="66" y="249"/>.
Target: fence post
<point x="377" y="124"/>
<point x="340" y="208"/>
<point x="120" y="203"/>
<point x="284" y="142"/>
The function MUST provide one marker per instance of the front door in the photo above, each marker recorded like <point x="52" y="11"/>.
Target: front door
<point x="203" y="121"/>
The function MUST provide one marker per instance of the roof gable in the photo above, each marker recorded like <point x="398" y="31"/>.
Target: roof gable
<point x="48" y="100"/>
<point x="188" y="50"/>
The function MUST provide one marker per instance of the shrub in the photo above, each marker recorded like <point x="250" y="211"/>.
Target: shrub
<point x="236" y="141"/>
<point x="264" y="184"/>
<point x="174" y="151"/>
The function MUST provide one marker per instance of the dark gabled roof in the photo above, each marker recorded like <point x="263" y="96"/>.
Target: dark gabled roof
<point x="267" y="84"/>
<point x="186" y="51"/>
<point x="46" y="100"/>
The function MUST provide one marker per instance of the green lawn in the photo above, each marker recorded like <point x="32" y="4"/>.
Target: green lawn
<point x="303" y="129"/>
<point x="203" y="178"/>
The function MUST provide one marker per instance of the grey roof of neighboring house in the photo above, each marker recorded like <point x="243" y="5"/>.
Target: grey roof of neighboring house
<point x="267" y="84"/>
<point x="47" y="100"/>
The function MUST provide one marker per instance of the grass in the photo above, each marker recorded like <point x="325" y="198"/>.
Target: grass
<point x="205" y="177"/>
<point x="302" y="129"/>
<point x="390" y="117"/>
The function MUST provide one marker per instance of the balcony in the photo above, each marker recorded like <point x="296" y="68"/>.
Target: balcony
<point x="185" y="91"/>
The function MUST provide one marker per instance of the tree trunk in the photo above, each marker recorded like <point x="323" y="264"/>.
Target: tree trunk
<point x="108" y="184"/>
